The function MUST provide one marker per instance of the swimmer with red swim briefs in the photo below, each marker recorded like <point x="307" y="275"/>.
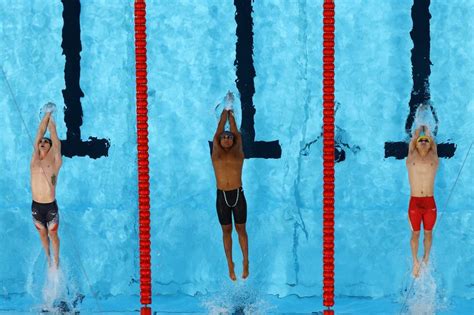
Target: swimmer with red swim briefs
<point x="422" y="163"/>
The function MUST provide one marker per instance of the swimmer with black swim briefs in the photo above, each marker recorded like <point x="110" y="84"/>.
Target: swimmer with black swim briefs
<point x="228" y="160"/>
<point x="45" y="164"/>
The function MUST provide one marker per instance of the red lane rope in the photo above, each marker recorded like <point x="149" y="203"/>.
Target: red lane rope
<point x="328" y="155"/>
<point x="142" y="146"/>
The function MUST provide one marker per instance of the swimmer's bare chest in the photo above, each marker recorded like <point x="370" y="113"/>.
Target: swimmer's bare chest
<point x="421" y="173"/>
<point x="228" y="171"/>
<point x="42" y="170"/>
<point x="422" y="166"/>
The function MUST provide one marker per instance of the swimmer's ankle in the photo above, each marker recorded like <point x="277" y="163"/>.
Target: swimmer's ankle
<point x="245" y="271"/>
<point x="232" y="275"/>
<point x="416" y="268"/>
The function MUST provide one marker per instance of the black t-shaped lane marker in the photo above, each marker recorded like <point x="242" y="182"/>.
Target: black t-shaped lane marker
<point x="340" y="144"/>
<point x="71" y="45"/>
<point x="245" y="72"/>
<point x="420" y="94"/>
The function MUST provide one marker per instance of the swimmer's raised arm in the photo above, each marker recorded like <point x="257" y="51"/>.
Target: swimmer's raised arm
<point x="433" y="145"/>
<point x="233" y="125"/>
<point x="234" y="130"/>
<point x="55" y="140"/>
<point x="220" y="129"/>
<point x="412" y="145"/>
<point x="41" y="131"/>
<point x="221" y="125"/>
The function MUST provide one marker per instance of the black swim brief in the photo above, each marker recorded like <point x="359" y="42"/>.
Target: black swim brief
<point x="45" y="213"/>
<point x="231" y="202"/>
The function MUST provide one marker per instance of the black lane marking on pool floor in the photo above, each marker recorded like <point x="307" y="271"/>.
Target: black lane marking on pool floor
<point x="420" y="94"/>
<point x="245" y="72"/>
<point x="340" y="140"/>
<point x="72" y="47"/>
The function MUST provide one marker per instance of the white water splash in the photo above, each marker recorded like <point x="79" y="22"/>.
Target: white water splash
<point x="33" y="275"/>
<point x="424" y="116"/>
<point x="238" y="299"/>
<point x="227" y="103"/>
<point x="49" y="107"/>
<point x="422" y="301"/>
<point x="56" y="295"/>
<point x="54" y="287"/>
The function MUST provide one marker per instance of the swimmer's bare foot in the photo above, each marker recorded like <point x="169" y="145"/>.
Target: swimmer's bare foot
<point x="49" y="260"/>
<point x="56" y="260"/>
<point x="425" y="260"/>
<point x="232" y="275"/>
<point x="416" y="268"/>
<point x="245" y="272"/>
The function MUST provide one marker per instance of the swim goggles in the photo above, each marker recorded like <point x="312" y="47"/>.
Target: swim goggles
<point x="423" y="139"/>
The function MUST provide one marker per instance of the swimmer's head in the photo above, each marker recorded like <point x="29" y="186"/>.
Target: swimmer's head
<point x="45" y="144"/>
<point x="423" y="144"/>
<point x="226" y="139"/>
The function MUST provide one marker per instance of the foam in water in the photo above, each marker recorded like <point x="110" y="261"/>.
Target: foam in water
<point x="50" y="288"/>
<point x="230" y="102"/>
<point x="288" y="93"/>
<point x="422" y="300"/>
<point x="54" y="288"/>
<point x="49" y="107"/>
<point x="237" y="299"/>
<point x="424" y="116"/>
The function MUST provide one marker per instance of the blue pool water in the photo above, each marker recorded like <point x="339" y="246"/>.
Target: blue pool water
<point x="191" y="54"/>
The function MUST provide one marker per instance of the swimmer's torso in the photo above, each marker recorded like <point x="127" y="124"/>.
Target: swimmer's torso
<point x="421" y="173"/>
<point x="44" y="175"/>
<point x="228" y="169"/>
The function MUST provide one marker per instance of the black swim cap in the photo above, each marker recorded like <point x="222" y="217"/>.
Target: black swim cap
<point x="48" y="140"/>
<point x="226" y="133"/>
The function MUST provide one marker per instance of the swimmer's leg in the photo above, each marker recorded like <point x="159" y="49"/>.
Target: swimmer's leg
<point x="415" y="236"/>
<point x="53" y="234"/>
<point x="243" y="240"/>
<point x="43" y="233"/>
<point x="427" y="241"/>
<point x="429" y="221"/>
<point x="227" y="238"/>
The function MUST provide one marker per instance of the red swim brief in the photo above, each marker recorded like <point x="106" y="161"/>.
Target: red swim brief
<point x="422" y="209"/>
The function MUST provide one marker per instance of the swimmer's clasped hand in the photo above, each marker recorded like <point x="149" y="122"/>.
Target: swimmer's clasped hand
<point x="229" y="100"/>
<point x="49" y="107"/>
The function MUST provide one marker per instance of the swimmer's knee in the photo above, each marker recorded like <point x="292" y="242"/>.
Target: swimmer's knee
<point x="428" y="233"/>
<point x="43" y="232"/>
<point x="41" y="228"/>
<point x="227" y="229"/>
<point x="240" y="228"/>
<point x="53" y="229"/>
<point x="415" y="234"/>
